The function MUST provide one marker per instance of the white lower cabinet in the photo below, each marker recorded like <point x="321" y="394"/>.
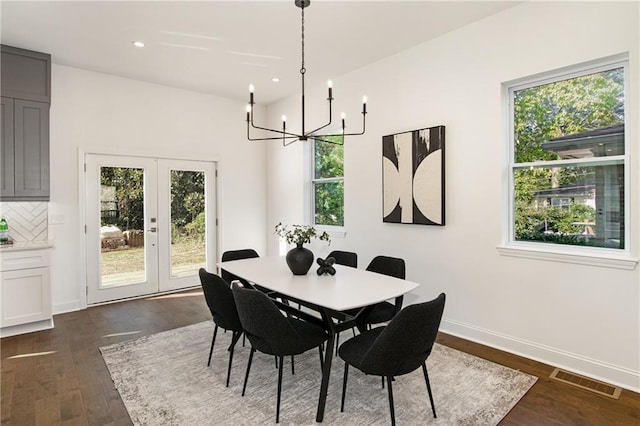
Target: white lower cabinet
<point x="25" y="293"/>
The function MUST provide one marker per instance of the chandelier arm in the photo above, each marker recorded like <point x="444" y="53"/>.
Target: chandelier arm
<point x="290" y="142"/>
<point x="293" y="136"/>
<point x="273" y="130"/>
<point x="345" y="134"/>
<point x="320" y="139"/>
<point x="322" y="127"/>
<point x="273" y="139"/>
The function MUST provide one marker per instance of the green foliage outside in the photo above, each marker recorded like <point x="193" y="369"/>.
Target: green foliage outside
<point x="546" y="112"/>
<point x="329" y="195"/>
<point x="187" y="201"/>
<point x="129" y="193"/>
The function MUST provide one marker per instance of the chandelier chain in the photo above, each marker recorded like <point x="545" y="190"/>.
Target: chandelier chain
<point x="302" y="69"/>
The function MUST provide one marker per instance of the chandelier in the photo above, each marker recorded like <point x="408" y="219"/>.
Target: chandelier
<point x="289" y="137"/>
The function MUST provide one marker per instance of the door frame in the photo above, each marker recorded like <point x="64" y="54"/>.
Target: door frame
<point x="82" y="202"/>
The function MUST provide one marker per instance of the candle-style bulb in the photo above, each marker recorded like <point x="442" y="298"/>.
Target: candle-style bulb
<point x="248" y="107"/>
<point x="251" y="88"/>
<point x="284" y="118"/>
<point x="329" y="84"/>
<point x="364" y="99"/>
<point x="343" y="115"/>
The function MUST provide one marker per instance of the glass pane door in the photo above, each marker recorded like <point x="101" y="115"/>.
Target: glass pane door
<point x="122" y="252"/>
<point x="121" y="226"/>
<point x="187" y="234"/>
<point x="151" y="225"/>
<point x="188" y="224"/>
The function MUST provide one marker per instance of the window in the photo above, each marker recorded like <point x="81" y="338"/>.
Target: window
<point x="328" y="183"/>
<point x="568" y="162"/>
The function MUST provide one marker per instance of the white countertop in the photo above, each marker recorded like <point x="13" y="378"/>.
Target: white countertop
<point x="20" y="246"/>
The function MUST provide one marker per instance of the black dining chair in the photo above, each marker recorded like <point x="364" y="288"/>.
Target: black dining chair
<point x="271" y="332"/>
<point x="396" y="349"/>
<point x="394" y="267"/>
<point x="346" y="258"/>
<point x="223" y="310"/>
<point x="236" y="255"/>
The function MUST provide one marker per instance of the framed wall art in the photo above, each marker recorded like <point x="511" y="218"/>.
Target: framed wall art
<point x="413" y="177"/>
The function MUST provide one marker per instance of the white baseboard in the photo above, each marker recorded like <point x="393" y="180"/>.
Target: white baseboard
<point x="605" y="372"/>
<point x="26" y="328"/>
<point x="62" y="308"/>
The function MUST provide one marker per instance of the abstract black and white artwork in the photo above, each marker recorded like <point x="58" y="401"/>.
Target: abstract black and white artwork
<point x="413" y="177"/>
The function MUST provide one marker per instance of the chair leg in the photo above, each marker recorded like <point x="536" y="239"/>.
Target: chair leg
<point x="382" y="382"/>
<point x="234" y="340"/>
<point x="279" y="389"/>
<point x="246" y="375"/>
<point x="320" y="349"/>
<point x="426" y="379"/>
<point x="344" y="385"/>
<point x="215" y="331"/>
<point x="293" y="370"/>
<point x="390" y="388"/>
<point x="337" y="342"/>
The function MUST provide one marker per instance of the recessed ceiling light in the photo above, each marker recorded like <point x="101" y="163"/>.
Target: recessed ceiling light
<point x="138" y="44"/>
<point x="275" y="79"/>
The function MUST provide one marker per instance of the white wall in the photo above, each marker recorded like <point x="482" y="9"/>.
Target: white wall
<point x="580" y="317"/>
<point x="95" y="112"/>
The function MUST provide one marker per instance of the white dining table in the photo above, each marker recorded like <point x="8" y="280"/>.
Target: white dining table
<point x="329" y="295"/>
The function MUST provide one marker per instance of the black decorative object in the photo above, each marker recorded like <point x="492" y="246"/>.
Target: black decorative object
<point x="326" y="266"/>
<point x="299" y="260"/>
<point x="413" y="177"/>
<point x="289" y="136"/>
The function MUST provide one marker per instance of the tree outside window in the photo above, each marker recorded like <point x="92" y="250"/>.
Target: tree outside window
<point x="328" y="182"/>
<point x="568" y="162"/>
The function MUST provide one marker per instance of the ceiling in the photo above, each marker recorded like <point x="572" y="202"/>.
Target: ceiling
<point x="220" y="47"/>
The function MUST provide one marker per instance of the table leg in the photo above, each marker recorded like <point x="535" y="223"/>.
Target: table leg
<point x="326" y="371"/>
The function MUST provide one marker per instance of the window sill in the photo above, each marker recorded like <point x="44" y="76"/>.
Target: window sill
<point x="604" y="260"/>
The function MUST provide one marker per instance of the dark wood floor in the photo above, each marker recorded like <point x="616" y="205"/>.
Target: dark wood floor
<point x="58" y="376"/>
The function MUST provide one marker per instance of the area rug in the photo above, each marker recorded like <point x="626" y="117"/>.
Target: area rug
<point x="163" y="379"/>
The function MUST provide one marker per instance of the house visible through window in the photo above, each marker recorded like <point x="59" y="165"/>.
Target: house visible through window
<point x="568" y="163"/>
<point x="328" y="183"/>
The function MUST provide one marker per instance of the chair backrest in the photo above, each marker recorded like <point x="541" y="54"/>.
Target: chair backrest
<point x="392" y="266"/>
<point x="265" y="326"/>
<point x="347" y="258"/>
<point x="236" y="255"/>
<point x="220" y="301"/>
<point x="406" y="342"/>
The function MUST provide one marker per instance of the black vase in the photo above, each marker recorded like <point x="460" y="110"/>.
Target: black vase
<point x="299" y="260"/>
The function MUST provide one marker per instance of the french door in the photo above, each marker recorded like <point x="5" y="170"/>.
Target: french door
<point x="150" y="225"/>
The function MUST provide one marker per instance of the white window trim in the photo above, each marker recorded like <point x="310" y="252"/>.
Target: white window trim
<point x="601" y="257"/>
<point x="309" y="194"/>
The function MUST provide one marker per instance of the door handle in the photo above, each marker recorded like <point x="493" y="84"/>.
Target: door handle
<point x="154" y="229"/>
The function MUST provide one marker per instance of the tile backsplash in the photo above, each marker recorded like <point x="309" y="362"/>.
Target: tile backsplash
<point x="27" y="220"/>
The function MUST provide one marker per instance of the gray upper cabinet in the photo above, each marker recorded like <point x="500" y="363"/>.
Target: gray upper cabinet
<point x="31" y="149"/>
<point x="25" y="74"/>
<point x="26" y="95"/>
<point x="7" y="169"/>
